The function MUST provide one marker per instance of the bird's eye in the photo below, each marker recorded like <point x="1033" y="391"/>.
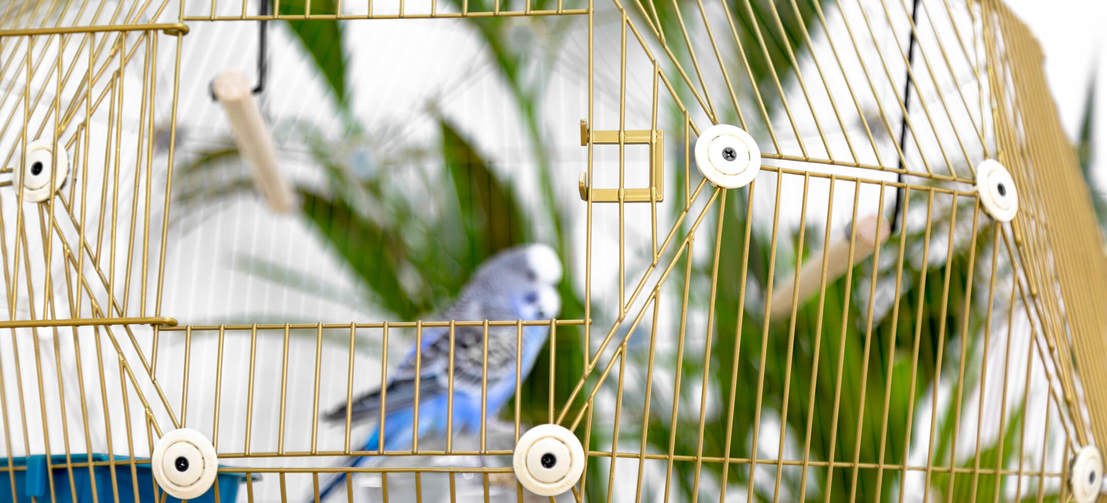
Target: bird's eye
<point x="531" y="276"/>
<point x="531" y="298"/>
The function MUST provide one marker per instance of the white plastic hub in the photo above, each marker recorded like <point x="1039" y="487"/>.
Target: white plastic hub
<point x="1086" y="475"/>
<point x="42" y="163"/>
<point x="548" y="460"/>
<point x="727" y="156"/>
<point x="184" y="463"/>
<point x="996" y="190"/>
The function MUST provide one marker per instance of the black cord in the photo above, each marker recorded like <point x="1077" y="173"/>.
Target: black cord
<point x="263" y="60"/>
<point x="903" y="123"/>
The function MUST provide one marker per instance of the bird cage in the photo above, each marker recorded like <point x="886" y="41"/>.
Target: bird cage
<point x="667" y="251"/>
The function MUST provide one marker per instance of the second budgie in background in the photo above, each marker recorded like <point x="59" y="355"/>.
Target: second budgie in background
<point x="515" y="284"/>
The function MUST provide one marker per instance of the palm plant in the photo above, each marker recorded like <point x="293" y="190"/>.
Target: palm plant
<point x="847" y="374"/>
<point x="1085" y="151"/>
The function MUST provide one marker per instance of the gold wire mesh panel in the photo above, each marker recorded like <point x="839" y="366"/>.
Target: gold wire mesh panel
<point x="853" y="325"/>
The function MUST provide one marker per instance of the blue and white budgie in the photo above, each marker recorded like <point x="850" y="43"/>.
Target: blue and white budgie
<point x="516" y="284"/>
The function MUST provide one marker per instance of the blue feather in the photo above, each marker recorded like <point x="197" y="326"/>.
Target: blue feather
<point x="508" y="286"/>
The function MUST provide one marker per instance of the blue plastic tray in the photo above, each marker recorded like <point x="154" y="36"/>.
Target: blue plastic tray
<point x="33" y="482"/>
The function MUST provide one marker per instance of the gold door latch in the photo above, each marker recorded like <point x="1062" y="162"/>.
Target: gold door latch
<point x="654" y="138"/>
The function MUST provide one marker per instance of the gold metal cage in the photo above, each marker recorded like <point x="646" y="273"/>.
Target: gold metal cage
<point x="877" y="333"/>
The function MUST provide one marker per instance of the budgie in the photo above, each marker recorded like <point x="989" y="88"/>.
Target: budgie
<point x="516" y="284"/>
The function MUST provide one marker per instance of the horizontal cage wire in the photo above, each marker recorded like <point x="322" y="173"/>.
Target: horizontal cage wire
<point x="328" y="250"/>
<point x="381" y="9"/>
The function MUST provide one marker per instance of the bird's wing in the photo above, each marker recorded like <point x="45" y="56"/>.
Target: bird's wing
<point x="434" y="371"/>
<point x="429" y="361"/>
<point x="469" y="362"/>
<point x="398" y="396"/>
<point x="473" y="354"/>
<point x="400" y="391"/>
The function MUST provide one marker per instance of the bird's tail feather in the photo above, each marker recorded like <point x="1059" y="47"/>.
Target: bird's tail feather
<point x="362" y="406"/>
<point x="400" y="395"/>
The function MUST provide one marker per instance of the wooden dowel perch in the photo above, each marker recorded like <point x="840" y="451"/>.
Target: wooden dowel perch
<point x="254" y="140"/>
<point x="837" y="263"/>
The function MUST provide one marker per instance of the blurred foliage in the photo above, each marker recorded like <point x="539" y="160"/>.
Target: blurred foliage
<point x="322" y="40"/>
<point x="842" y="374"/>
<point x="854" y="379"/>
<point x="784" y="29"/>
<point x="1085" y="149"/>
<point x="489" y="213"/>
<point x="441" y="248"/>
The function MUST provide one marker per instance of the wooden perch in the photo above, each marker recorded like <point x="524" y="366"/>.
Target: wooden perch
<point x="837" y="263"/>
<point x="254" y="140"/>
